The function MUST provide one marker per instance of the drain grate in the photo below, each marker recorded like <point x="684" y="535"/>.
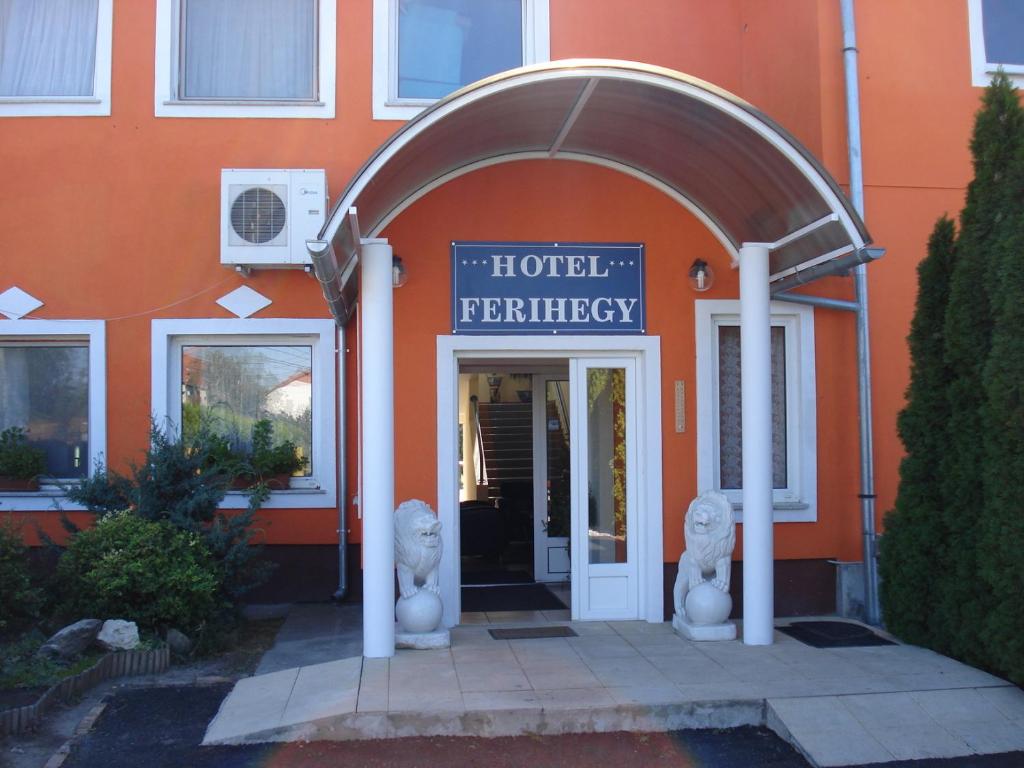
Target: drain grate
<point x="531" y="633"/>
<point x="833" y="634"/>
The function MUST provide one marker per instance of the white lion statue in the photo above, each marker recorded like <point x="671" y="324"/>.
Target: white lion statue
<point x="710" y="534"/>
<point x="417" y="547"/>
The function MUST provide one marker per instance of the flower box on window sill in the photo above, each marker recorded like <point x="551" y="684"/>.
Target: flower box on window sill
<point x="19" y="484"/>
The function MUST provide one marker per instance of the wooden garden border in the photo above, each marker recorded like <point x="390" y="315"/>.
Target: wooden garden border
<point x="114" y="664"/>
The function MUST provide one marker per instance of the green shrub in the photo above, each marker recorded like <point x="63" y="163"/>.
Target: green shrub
<point x="141" y="570"/>
<point x="19" y="601"/>
<point x="183" y="481"/>
<point x="18" y="459"/>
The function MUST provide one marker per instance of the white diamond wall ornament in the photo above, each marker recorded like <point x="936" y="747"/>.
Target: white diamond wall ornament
<point x="417" y="557"/>
<point x="701" y="592"/>
<point x="244" y="301"/>
<point x="15" y="303"/>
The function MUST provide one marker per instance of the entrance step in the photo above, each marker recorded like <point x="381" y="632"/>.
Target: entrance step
<point x="259" y="711"/>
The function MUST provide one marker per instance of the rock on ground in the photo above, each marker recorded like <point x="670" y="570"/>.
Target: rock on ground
<point x="179" y="642"/>
<point x="118" y="635"/>
<point x="72" y="639"/>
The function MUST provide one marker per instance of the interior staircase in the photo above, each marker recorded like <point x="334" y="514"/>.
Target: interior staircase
<point x="507" y="432"/>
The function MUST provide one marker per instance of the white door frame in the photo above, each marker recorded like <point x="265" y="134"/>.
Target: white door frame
<point x="541" y="543"/>
<point x="646" y="350"/>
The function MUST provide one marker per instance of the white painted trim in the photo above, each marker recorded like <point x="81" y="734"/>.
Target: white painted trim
<point x="982" y="69"/>
<point x="586" y="70"/>
<point x="387" y="106"/>
<point x="541" y="541"/>
<point x="96" y="105"/>
<point x="799" y="503"/>
<point x="674" y="194"/>
<point x="93" y="331"/>
<point x="168" y="335"/>
<point x="167" y="104"/>
<point x="647" y="351"/>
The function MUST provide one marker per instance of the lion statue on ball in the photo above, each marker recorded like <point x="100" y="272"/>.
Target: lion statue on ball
<point x="710" y="534"/>
<point x="417" y="547"/>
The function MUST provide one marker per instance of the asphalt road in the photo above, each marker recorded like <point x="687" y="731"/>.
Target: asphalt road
<point x="162" y="728"/>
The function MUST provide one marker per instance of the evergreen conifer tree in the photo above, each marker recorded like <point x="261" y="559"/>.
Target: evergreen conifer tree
<point x="964" y="602"/>
<point x="1001" y="555"/>
<point x="915" y="536"/>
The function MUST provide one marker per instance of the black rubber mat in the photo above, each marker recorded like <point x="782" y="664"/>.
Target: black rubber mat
<point x="511" y="597"/>
<point x="495" y="576"/>
<point x="531" y="633"/>
<point x="833" y="634"/>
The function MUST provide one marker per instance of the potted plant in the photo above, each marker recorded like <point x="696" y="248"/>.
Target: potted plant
<point x="20" y="463"/>
<point x="269" y="463"/>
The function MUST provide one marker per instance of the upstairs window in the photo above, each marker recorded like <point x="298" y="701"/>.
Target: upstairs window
<point x="245" y="58"/>
<point x="55" y="57"/>
<point x="247" y="49"/>
<point x="997" y="39"/>
<point x="426" y="49"/>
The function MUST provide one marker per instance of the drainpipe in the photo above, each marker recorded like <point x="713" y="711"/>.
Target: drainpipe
<point x="342" y="591"/>
<point x="867" y="476"/>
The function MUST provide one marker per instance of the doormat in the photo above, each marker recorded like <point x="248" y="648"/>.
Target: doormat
<point x="492" y="576"/>
<point x="531" y="633"/>
<point x="833" y="634"/>
<point x="510" y="597"/>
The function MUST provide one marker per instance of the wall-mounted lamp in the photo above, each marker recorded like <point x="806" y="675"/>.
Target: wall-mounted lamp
<point x="398" y="276"/>
<point x="701" y="275"/>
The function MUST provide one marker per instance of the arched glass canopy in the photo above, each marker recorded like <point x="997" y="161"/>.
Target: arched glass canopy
<point x="739" y="172"/>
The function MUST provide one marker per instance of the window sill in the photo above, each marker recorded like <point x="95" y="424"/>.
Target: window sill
<point x="783" y="512"/>
<point x="238" y="108"/>
<point x="54" y="106"/>
<point x="293" y="498"/>
<point x="47" y="499"/>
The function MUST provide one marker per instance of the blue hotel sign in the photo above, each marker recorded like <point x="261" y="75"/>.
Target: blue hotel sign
<point x="567" y="288"/>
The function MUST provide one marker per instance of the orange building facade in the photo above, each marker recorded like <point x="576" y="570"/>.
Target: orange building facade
<point x="112" y="227"/>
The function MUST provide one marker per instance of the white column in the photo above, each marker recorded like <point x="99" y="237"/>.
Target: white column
<point x="756" y="373"/>
<point x="378" y="450"/>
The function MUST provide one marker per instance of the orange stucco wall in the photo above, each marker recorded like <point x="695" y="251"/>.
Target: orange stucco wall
<point x="118" y="217"/>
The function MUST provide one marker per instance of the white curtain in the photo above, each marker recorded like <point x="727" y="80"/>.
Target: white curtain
<point x="249" y="49"/>
<point x="47" y="47"/>
<point x="730" y="415"/>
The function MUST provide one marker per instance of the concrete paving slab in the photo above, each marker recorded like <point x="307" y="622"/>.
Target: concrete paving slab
<point x="919" y="742"/>
<point x="323" y="690"/>
<point x="373" y="686"/>
<point x="838" y="706"/>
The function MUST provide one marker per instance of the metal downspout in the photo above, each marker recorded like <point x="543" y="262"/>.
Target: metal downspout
<point x="867" y="474"/>
<point x="342" y="591"/>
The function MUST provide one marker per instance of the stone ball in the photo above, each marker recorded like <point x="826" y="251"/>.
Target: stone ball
<point x="420" y="613"/>
<point x="706" y="604"/>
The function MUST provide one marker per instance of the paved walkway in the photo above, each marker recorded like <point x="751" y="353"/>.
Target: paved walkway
<point x="838" y="706"/>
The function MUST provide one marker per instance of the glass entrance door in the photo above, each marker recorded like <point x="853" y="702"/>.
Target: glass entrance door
<point x="551" y="478"/>
<point x="604" y="482"/>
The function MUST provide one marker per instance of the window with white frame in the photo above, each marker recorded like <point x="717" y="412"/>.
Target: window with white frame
<point x="245" y="58"/>
<point x="719" y="406"/>
<point x="425" y="49"/>
<point x="997" y="39"/>
<point x="55" y="57"/>
<point x="52" y="386"/>
<point x="227" y="375"/>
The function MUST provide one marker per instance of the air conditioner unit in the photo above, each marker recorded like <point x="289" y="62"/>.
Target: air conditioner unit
<point x="266" y="216"/>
